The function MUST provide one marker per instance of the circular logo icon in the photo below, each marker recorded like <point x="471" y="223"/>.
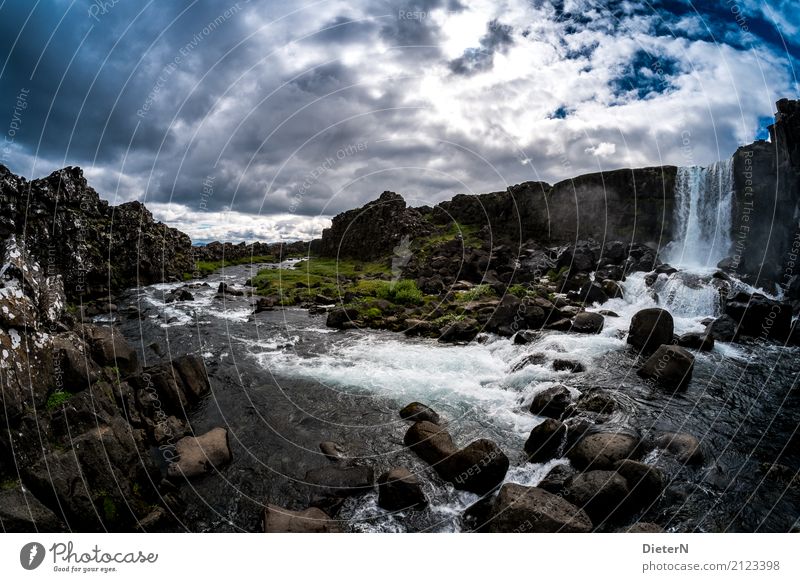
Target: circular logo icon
<point x="31" y="555"/>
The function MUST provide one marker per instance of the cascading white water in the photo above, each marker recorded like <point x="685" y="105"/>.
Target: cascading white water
<point x="703" y="210"/>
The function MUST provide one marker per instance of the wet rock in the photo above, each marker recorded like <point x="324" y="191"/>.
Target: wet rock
<point x="556" y="479"/>
<point x="665" y="269"/>
<point x="602" y="450"/>
<point x="508" y="312"/>
<point x="601" y="494"/>
<point x="399" y="489"/>
<point x="536" y="359"/>
<point x="591" y="293"/>
<point x="723" y="329"/>
<point x="338" y="317"/>
<point x="332" y="451"/>
<point x="670" y="366"/>
<point x="641" y="527"/>
<point x="552" y="401"/>
<point x="192" y="373"/>
<point x="685" y="447"/>
<point x="460" y="331"/>
<point x="612" y="289"/>
<point x="651" y="328"/>
<point x="525" y="336"/>
<point x="479" y="467"/>
<point x="109" y="348"/>
<point x="759" y="316"/>
<point x="312" y="520"/>
<point x="523" y="509"/>
<point x="608" y="313"/>
<point x="596" y="400"/>
<point x="226" y="290"/>
<point x="21" y="512"/>
<point x="568" y="366"/>
<point x="201" y="455"/>
<point x="703" y="342"/>
<point x="562" y="324"/>
<point x="337" y="481"/>
<point x="429" y="441"/>
<point x="587" y="322"/>
<point x="169" y="430"/>
<point x="545" y="441"/>
<point x="644" y="481"/>
<point x="178" y="295"/>
<point x="266" y="304"/>
<point x="416" y="411"/>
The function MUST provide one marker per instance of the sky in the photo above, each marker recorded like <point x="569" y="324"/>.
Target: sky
<point x="259" y="120"/>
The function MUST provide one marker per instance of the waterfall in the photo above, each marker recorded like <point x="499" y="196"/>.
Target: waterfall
<point x="703" y="209"/>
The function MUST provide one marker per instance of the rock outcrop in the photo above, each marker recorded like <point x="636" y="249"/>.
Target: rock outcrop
<point x="96" y="247"/>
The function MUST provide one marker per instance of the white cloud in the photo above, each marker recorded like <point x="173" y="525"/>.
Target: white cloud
<point x="602" y="150"/>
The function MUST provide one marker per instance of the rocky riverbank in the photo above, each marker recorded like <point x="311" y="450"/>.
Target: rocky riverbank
<point x="597" y="359"/>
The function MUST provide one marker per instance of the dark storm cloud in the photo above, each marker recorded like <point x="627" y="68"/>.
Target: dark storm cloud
<point x="152" y="98"/>
<point x="497" y="39"/>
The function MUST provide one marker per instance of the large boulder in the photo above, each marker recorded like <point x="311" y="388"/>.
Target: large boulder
<point x="464" y="330"/>
<point x="644" y="481"/>
<point x="723" y="329"/>
<point x="200" y="455"/>
<point x="508" y="315"/>
<point x="276" y="519"/>
<point x="601" y="450"/>
<point x="587" y="322"/>
<point x="702" y="342"/>
<point x="399" y="489"/>
<point x="552" y="401"/>
<point x="545" y="441"/>
<point x="109" y="348"/>
<point x="430" y="441"/>
<point x="340" y="317"/>
<point x="670" y="366"/>
<point x="651" y="328"/>
<point x="759" y="316"/>
<point x="479" y="467"/>
<point x="601" y="494"/>
<point x="685" y="447"/>
<point x="338" y="481"/>
<point x="21" y="512"/>
<point x="416" y="411"/>
<point x="520" y="509"/>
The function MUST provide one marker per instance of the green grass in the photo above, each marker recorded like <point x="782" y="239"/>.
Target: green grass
<point x="372" y="313"/>
<point x="56" y="399"/>
<point x="205" y="268"/>
<point x="467" y="232"/>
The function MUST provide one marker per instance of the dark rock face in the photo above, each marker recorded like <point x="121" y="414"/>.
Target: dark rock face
<point x="601" y="494"/>
<point x="68" y="228"/>
<point x="645" y="482"/>
<point x="651" y="328"/>
<point x="545" y="440"/>
<point x="383" y="223"/>
<point x="430" y="441"/>
<point x="766" y="186"/>
<point x="685" y="447"/>
<point x="552" y="401"/>
<point x="723" y="329"/>
<point x="417" y="411"/>
<point x="399" y="489"/>
<point x="21" y="512"/>
<point x="217" y="251"/>
<point x="602" y="450"/>
<point x="339" y="317"/>
<point x="479" y="467"/>
<point x="758" y="316"/>
<point x="202" y="454"/>
<point x="670" y="367"/>
<point x="703" y="342"/>
<point x="312" y="520"/>
<point x="587" y="322"/>
<point x="520" y="509"/>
